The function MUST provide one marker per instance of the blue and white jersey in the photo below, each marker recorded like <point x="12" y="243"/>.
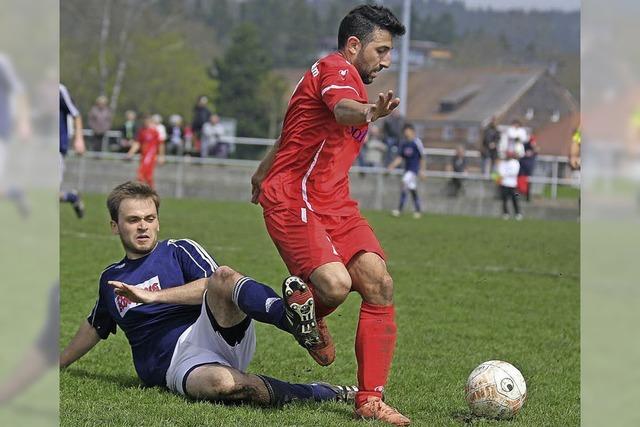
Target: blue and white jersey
<point x="67" y="108"/>
<point x="412" y="152"/>
<point x="152" y="329"/>
<point x="10" y="85"/>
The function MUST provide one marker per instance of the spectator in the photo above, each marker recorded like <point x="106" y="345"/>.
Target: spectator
<point x="129" y="130"/>
<point x="412" y="152"/>
<point x="508" y="180"/>
<point x="162" y="130"/>
<point x="100" y="117"/>
<point x="392" y="134"/>
<point x="458" y="165"/>
<point x="188" y="140"/>
<point x="211" y="142"/>
<point x="175" y="142"/>
<point x="527" y="165"/>
<point x="201" y="115"/>
<point x="489" y="149"/>
<point x="513" y="140"/>
<point x="376" y="148"/>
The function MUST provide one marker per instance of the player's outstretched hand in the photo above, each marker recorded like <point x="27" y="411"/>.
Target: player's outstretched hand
<point x="384" y="105"/>
<point x="132" y="293"/>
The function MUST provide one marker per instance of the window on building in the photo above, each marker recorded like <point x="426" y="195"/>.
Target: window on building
<point x="473" y="134"/>
<point x="555" y="117"/>
<point x="529" y="114"/>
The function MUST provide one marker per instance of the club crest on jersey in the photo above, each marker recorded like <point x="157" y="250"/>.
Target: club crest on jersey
<point x="124" y="304"/>
<point x="358" y="134"/>
<point x="343" y="73"/>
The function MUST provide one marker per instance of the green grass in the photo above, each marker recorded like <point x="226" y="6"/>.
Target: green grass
<point x="466" y="290"/>
<point x="564" y="192"/>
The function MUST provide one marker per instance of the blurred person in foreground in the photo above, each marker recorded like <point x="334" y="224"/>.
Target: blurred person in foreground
<point x="151" y="148"/>
<point x="507" y="178"/>
<point x="14" y="115"/>
<point x="303" y="187"/>
<point x="68" y="108"/>
<point x="415" y="167"/>
<point x="188" y="320"/>
<point x="100" y="118"/>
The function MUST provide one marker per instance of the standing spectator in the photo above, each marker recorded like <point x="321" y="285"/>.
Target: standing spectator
<point x="376" y="148"/>
<point x="201" y="115"/>
<point x="392" y="134"/>
<point x="162" y="130"/>
<point x="175" y="141"/>
<point x="100" y="117"/>
<point x="527" y="165"/>
<point x="129" y="130"/>
<point x="151" y="149"/>
<point x="489" y="149"/>
<point x="412" y="152"/>
<point x="211" y="141"/>
<point x="458" y="165"/>
<point x="508" y="170"/>
<point x="188" y="140"/>
<point x="513" y="140"/>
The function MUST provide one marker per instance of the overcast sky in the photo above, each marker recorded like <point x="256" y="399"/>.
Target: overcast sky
<point x="526" y="4"/>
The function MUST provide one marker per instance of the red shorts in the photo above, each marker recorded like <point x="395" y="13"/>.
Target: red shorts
<point x="523" y="184"/>
<point x="307" y="240"/>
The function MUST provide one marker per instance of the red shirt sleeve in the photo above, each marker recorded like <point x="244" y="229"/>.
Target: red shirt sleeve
<point x="337" y="83"/>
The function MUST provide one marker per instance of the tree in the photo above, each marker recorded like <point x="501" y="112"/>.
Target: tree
<point x="240" y="71"/>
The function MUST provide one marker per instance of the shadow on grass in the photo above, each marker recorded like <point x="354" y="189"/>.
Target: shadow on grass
<point x="125" y="381"/>
<point x="463" y="417"/>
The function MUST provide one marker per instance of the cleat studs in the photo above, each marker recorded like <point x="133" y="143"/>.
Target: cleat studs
<point x="289" y="292"/>
<point x="311" y="302"/>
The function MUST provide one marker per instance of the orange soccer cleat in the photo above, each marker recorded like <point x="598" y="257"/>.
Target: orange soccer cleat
<point x="375" y="409"/>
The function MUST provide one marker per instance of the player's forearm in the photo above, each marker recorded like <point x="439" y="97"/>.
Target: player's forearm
<point x="395" y="163"/>
<point x="267" y="162"/>
<point x="187" y="294"/>
<point x="350" y="112"/>
<point x="85" y="339"/>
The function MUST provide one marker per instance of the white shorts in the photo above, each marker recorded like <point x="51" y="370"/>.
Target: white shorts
<point x="410" y="180"/>
<point x="201" y="344"/>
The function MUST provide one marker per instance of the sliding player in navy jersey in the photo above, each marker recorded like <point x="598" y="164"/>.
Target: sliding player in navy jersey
<point x="188" y="320"/>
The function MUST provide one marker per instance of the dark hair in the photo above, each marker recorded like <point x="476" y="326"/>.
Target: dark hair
<point x="363" y="20"/>
<point x="408" y="126"/>
<point x="130" y="190"/>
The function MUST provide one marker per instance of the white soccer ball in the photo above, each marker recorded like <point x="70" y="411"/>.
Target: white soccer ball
<point x="495" y="389"/>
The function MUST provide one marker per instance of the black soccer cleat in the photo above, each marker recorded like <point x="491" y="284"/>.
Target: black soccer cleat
<point x="78" y="206"/>
<point x="299" y="312"/>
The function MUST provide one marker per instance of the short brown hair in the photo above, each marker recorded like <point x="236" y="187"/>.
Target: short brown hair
<point x="130" y="190"/>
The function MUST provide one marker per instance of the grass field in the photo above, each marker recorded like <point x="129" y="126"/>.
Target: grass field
<point x="467" y="290"/>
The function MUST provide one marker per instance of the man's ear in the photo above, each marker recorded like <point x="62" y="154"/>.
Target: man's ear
<point x="114" y="227"/>
<point x="353" y="45"/>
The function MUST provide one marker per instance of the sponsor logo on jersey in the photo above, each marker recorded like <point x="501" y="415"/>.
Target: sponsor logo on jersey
<point x="124" y="304"/>
<point x="358" y="134"/>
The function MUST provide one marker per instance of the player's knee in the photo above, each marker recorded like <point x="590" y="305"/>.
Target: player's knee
<point x="223" y="387"/>
<point x="378" y="291"/>
<point x="335" y="289"/>
<point x="221" y="281"/>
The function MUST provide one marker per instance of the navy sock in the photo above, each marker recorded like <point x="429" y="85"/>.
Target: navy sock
<point x="282" y="392"/>
<point x="70" y="197"/>
<point x="416" y="200"/>
<point x="259" y="302"/>
<point x="403" y="198"/>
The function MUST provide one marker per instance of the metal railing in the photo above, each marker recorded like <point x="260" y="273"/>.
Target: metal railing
<point x="548" y="168"/>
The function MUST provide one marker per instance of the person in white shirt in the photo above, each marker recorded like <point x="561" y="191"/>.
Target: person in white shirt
<point x="212" y="133"/>
<point x="162" y="130"/>
<point x="508" y="180"/>
<point x="513" y="140"/>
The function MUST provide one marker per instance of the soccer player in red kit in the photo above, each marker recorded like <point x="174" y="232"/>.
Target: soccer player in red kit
<point x="151" y="148"/>
<point x="303" y="188"/>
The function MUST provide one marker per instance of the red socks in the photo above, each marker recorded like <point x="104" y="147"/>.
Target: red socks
<point x="375" y="343"/>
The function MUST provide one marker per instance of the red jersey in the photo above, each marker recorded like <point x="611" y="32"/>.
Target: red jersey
<point x="311" y="167"/>
<point x="149" y="140"/>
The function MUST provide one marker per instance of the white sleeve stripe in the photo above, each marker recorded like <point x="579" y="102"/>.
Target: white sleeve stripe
<point x="204" y="254"/>
<point x="337" y="87"/>
<point x="192" y="259"/>
<point x="67" y="100"/>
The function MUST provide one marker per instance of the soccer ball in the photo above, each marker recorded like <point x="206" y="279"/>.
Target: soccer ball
<point x="495" y="389"/>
